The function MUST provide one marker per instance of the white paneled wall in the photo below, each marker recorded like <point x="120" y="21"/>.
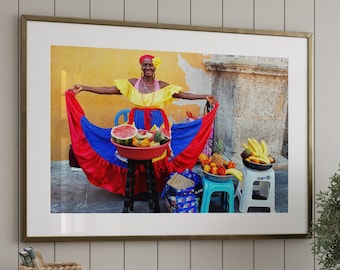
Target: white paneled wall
<point x="269" y="14"/>
<point x="107" y="10"/>
<point x="319" y="17"/>
<point x="9" y="135"/>
<point x="175" y="12"/>
<point x="238" y="14"/>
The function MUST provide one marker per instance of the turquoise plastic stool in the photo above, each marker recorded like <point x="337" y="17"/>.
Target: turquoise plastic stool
<point x="210" y="186"/>
<point x="124" y="113"/>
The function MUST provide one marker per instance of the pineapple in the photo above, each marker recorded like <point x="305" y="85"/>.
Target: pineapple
<point x="217" y="152"/>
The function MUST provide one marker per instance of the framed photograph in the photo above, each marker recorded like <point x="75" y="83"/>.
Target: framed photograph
<point x="77" y="76"/>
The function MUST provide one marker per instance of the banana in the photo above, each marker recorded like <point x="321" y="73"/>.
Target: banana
<point x="260" y="159"/>
<point x="264" y="148"/>
<point x="255" y="145"/>
<point x="252" y="146"/>
<point x="245" y="146"/>
<point x="258" y="146"/>
<point x="261" y="156"/>
<point x="235" y="172"/>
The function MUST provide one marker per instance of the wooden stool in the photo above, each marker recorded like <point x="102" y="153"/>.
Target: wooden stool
<point x="151" y="185"/>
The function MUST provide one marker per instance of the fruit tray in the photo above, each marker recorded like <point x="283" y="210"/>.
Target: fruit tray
<point x="140" y="153"/>
<point x="217" y="178"/>
<point x="255" y="166"/>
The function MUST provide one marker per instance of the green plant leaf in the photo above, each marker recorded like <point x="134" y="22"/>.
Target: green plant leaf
<point x="326" y="230"/>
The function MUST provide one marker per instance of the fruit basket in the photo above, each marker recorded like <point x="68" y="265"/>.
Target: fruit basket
<point x="256" y="166"/>
<point x="55" y="266"/>
<point x="255" y="155"/>
<point x="140" y="153"/>
<point x="217" y="178"/>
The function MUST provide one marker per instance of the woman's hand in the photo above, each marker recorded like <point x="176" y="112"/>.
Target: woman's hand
<point x="77" y="88"/>
<point x="211" y="99"/>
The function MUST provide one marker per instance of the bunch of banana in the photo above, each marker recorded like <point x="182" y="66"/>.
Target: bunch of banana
<point x="257" y="151"/>
<point x="235" y="172"/>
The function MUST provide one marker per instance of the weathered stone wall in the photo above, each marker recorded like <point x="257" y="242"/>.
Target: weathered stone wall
<point x="253" y="97"/>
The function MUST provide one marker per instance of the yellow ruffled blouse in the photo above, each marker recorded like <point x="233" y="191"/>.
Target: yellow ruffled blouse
<point x="157" y="99"/>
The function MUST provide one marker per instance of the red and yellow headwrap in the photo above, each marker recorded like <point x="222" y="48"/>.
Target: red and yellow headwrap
<point x="155" y="60"/>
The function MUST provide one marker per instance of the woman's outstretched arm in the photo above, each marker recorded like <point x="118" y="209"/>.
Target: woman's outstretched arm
<point x="191" y="96"/>
<point x="108" y="90"/>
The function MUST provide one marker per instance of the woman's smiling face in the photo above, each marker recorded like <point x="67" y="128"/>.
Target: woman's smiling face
<point x="148" y="67"/>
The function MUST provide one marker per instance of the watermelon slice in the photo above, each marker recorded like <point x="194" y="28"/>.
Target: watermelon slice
<point x="123" y="134"/>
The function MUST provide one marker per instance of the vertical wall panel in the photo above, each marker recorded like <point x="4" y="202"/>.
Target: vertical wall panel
<point x="141" y="255"/>
<point x="327" y="96"/>
<point x="172" y="252"/>
<point x="72" y="8"/>
<point x="269" y="14"/>
<point x="37" y="7"/>
<point x="77" y="251"/>
<point x="238" y="255"/>
<point x="9" y="134"/>
<point x="206" y="255"/>
<point x="107" y="9"/>
<point x="174" y="12"/>
<point x="44" y="8"/>
<point x="269" y="254"/>
<point x="299" y="15"/>
<point x="238" y="14"/>
<point x="73" y="252"/>
<point x="141" y="11"/>
<point x="207" y="13"/>
<point x="298" y="254"/>
<point x="107" y="255"/>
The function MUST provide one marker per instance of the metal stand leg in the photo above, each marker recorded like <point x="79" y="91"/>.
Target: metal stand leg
<point x="151" y="186"/>
<point x="130" y="182"/>
<point x="152" y="190"/>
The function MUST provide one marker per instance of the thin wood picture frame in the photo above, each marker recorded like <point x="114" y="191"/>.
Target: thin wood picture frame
<point x="39" y="223"/>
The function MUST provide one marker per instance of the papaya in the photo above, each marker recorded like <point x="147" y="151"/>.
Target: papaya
<point x="246" y="153"/>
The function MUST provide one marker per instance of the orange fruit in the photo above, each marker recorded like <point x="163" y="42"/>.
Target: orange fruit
<point x="202" y="156"/>
<point x="206" y="168"/>
<point x="213" y="164"/>
<point x="205" y="162"/>
<point x="213" y="170"/>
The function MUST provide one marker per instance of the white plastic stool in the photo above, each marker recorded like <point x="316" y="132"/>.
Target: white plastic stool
<point x="256" y="180"/>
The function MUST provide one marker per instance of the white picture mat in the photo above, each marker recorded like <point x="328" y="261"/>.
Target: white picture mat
<point x="41" y="35"/>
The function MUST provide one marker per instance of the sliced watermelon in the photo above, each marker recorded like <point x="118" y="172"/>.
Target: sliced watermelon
<point x="123" y="134"/>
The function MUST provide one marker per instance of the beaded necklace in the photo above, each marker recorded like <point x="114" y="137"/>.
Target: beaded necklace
<point x="153" y="96"/>
<point x="146" y="86"/>
<point x="146" y="90"/>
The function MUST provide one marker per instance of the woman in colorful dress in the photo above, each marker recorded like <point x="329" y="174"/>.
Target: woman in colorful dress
<point x="92" y="146"/>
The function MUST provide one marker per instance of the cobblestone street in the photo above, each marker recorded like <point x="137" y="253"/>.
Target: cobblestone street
<point x="73" y="193"/>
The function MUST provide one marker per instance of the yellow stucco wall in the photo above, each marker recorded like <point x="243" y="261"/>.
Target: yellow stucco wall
<point x="99" y="67"/>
